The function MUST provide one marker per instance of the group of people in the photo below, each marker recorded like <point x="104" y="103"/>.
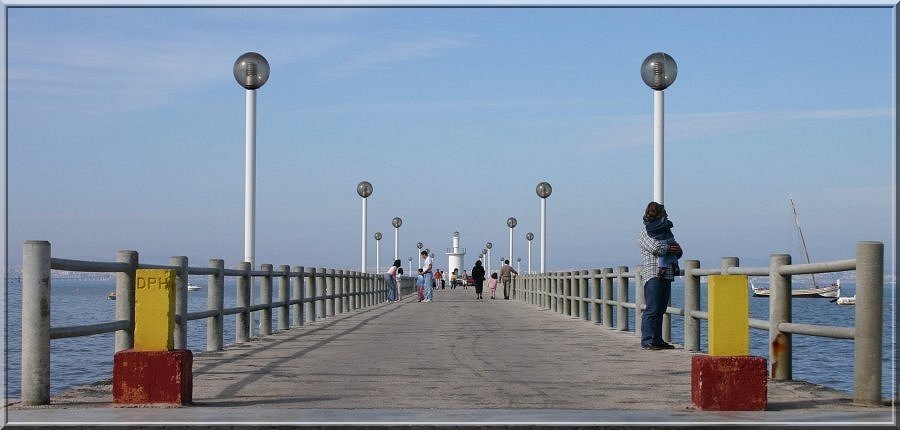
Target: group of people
<point x="659" y="257"/>
<point x="505" y="276"/>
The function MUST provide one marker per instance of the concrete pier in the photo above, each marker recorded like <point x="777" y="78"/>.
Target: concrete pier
<point x="455" y="360"/>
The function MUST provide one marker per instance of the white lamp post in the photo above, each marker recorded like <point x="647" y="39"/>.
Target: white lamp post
<point x="488" y="246"/>
<point x="396" y="222"/>
<point x="658" y="71"/>
<point x="529" y="237"/>
<point x="364" y="189"/>
<point x="511" y="223"/>
<point x="251" y="71"/>
<point x="543" y="191"/>
<point x="410" y="267"/>
<point x="519" y="264"/>
<point x="419" y="253"/>
<point x="377" y="252"/>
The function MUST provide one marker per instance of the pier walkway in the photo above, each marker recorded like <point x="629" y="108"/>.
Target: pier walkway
<point x="455" y="360"/>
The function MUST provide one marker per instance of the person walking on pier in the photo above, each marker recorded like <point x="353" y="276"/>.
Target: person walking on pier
<point x="420" y="286"/>
<point x="439" y="279"/>
<point x="393" y="282"/>
<point x="478" y="276"/>
<point x="427" y="267"/>
<point x="657" y="289"/>
<point x="492" y="284"/>
<point x="506" y="273"/>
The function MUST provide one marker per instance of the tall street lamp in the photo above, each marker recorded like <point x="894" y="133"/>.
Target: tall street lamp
<point x="529" y="237"/>
<point x="410" y="266"/>
<point x="519" y="264"/>
<point x="377" y="252"/>
<point x="488" y="246"/>
<point x="543" y="191"/>
<point x="251" y="71"/>
<point x="419" y="253"/>
<point x="511" y="223"/>
<point x="658" y="71"/>
<point x="396" y="222"/>
<point x="364" y="189"/>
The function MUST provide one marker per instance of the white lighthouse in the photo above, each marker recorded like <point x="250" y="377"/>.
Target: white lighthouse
<point x="455" y="256"/>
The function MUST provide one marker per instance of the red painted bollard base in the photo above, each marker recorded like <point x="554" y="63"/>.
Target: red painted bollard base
<point x="728" y="383"/>
<point x="153" y="377"/>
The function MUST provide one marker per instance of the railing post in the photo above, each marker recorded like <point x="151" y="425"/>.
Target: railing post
<point x="329" y="293"/>
<point x="583" y="294"/>
<point x="691" y="304"/>
<point x="310" y="295"/>
<point x="567" y="293"/>
<point x="265" y="298"/>
<point x="622" y="298"/>
<point x="215" y="300"/>
<point x="181" y="301"/>
<point x="36" y="322"/>
<point x="125" y="299"/>
<point x="607" y="297"/>
<point x="320" y="293"/>
<point x="284" y="320"/>
<point x="640" y="302"/>
<point x="242" y="300"/>
<point x="298" y="293"/>
<point x="354" y="300"/>
<point x="595" y="290"/>
<point x="869" y="319"/>
<point x="554" y="291"/>
<point x="779" y="312"/>
<point x="340" y="276"/>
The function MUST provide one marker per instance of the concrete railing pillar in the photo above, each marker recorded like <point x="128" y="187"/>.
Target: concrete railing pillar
<point x="125" y="299"/>
<point x="622" y="298"/>
<point x="310" y="295"/>
<point x="284" y="296"/>
<point x="242" y="300"/>
<point x="36" y="323"/>
<point x="299" y="293"/>
<point x="640" y="302"/>
<point x="869" y="322"/>
<point x="215" y="301"/>
<point x="181" y="301"/>
<point x="265" y="298"/>
<point x="691" y="304"/>
<point x="329" y="292"/>
<point x="583" y="294"/>
<point x="320" y="293"/>
<point x="607" y="296"/>
<point x="779" y="312"/>
<point x="595" y="295"/>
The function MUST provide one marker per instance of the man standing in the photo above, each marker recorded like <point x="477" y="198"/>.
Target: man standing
<point x="657" y="288"/>
<point x="506" y="273"/>
<point x="429" y="277"/>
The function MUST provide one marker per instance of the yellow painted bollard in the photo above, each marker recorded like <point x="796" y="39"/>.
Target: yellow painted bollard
<point x="728" y="379"/>
<point x="729" y="315"/>
<point x="153" y="372"/>
<point x="154" y="310"/>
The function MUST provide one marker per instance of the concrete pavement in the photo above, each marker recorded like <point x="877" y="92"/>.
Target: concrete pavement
<point x="455" y="360"/>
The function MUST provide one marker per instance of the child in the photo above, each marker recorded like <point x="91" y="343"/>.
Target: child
<point x="492" y="284"/>
<point x="420" y="285"/>
<point x="661" y="229"/>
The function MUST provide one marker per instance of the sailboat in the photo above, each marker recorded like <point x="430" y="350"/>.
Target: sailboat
<point x="828" y="291"/>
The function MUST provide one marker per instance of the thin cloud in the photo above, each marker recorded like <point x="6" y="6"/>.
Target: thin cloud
<point x="380" y="57"/>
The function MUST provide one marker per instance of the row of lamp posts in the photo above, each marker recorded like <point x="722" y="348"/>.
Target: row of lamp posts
<point x="251" y="71"/>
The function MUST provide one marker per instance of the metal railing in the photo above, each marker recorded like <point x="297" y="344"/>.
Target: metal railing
<point x="567" y="294"/>
<point x="307" y="294"/>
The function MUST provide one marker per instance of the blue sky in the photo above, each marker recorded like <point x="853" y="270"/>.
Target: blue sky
<point x="126" y="130"/>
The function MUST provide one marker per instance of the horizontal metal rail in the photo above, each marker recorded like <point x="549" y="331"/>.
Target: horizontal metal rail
<point x="88" y="329"/>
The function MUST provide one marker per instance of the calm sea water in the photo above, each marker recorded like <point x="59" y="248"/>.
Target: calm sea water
<point x="84" y="360"/>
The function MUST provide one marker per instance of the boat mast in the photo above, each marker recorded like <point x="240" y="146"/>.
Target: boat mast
<point x="802" y="239"/>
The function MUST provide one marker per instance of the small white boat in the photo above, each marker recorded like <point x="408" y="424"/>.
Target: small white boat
<point x="846" y="300"/>
<point x="193" y="287"/>
<point x="111" y="295"/>
<point x="829" y="291"/>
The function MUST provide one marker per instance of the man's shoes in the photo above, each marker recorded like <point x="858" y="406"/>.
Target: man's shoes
<point x="666" y="346"/>
<point x="651" y="347"/>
